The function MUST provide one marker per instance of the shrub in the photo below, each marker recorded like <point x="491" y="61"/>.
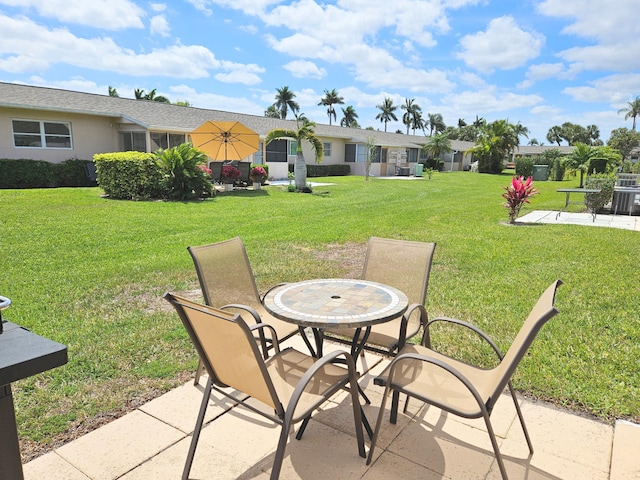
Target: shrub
<point x="595" y="201"/>
<point x="129" y="175"/>
<point x="23" y="173"/>
<point x="517" y="194"/>
<point x="182" y="177"/>
<point x="524" y="167"/>
<point x="73" y="173"/>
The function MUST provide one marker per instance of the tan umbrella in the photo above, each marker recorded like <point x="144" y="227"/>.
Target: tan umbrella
<point x="225" y="140"/>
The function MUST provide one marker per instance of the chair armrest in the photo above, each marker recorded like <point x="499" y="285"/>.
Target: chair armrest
<point x="426" y="337"/>
<point x="402" y="335"/>
<point x="415" y="357"/>
<point x="271" y="288"/>
<point x="257" y="319"/>
<point x="308" y="375"/>
<point x="272" y="331"/>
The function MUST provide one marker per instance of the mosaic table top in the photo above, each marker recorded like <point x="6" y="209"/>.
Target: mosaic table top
<point x="328" y="303"/>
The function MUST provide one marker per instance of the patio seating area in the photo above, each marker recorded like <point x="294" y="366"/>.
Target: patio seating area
<point x="152" y="441"/>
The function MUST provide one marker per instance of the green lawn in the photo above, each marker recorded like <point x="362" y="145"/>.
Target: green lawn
<point x="89" y="272"/>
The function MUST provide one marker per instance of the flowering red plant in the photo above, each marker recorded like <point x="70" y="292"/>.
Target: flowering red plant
<point x="205" y="169"/>
<point x="517" y="194"/>
<point x="229" y="171"/>
<point x="258" y="171"/>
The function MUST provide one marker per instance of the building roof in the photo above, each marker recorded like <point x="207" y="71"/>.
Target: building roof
<point x="168" y="117"/>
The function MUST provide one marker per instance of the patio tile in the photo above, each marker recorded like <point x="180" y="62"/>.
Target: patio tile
<point x="179" y="407"/>
<point x="209" y="463"/>
<point x="447" y="447"/>
<point x="564" y="437"/>
<point x="392" y="466"/>
<point x="625" y="463"/>
<point x="116" y="448"/>
<point x="44" y="466"/>
<point x="322" y="453"/>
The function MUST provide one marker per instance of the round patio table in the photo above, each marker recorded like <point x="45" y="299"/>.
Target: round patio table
<point x="334" y="303"/>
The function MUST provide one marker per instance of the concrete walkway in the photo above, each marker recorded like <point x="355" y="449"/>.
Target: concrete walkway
<point x="151" y="443"/>
<point x="626" y="222"/>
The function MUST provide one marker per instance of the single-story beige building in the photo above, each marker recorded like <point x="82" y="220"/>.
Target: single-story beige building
<point x="55" y="125"/>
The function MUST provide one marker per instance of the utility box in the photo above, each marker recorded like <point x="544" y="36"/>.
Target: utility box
<point x="418" y="170"/>
<point x="540" y="173"/>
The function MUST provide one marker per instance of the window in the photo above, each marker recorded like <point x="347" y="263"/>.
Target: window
<point x="412" y="155"/>
<point x="41" y="134"/>
<point x="165" y="140"/>
<point x="355" y="153"/>
<point x="257" y="157"/>
<point x="277" y="151"/>
<point x="133" y="141"/>
<point x="293" y="145"/>
<point x="327" y="148"/>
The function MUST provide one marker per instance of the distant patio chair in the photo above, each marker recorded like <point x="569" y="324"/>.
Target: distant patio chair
<point x="227" y="282"/>
<point x="458" y="387"/>
<point x="405" y="265"/>
<point x="245" y="171"/>
<point x="216" y="171"/>
<point x="290" y="383"/>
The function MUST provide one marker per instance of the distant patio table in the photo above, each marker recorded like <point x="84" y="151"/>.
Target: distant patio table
<point x="569" y="191"/>
<point x="22" y="354"/>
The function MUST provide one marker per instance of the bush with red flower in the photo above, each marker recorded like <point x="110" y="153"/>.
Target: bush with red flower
<point x="258" y="171"/>
<point x="229" y="172"/>
<point x="517" y="194"/>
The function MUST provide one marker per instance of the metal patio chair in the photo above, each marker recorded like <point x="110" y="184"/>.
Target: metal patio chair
<point x="290" y="383"/>
<point x="227" y="282"/>
<point x="457" y="387"/>
<point x="404" y="265"/>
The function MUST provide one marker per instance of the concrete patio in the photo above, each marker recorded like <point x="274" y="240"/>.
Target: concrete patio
<point x="151" y="443"/>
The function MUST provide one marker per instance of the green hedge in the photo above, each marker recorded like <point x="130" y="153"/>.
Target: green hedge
<point x="129" y="175"/>
<point x="595" y="201"/>
<point x="524" y="167"/>
<point x="26" y="173"/>
<point x="325" y="170"/>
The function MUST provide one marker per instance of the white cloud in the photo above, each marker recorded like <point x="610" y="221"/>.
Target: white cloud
<point x="613" y="89"/>
<point x="540" y="72"/>
<point x="216" y="102"/>
<point x="202" y="6"/>
<point x="159" y="25"/>
<point x="103" y="14"/>
<point x="158" y="7"/>
<point x="503" y="45"/>
<point x="305" y="69"/>
<point x="33" y="46"/>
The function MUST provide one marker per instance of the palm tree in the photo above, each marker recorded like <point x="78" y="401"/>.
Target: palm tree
<point x="139" y="93"/>
<point x="330" y="99"/>
<point x="496" y="141"/>
<point x="301" y="118"/>
<point x="285" y="100"/>
<point x="412" y="111"/>
<point x="272" y="112"/>
<point x="156" y="98"/>
<point x="436" y="122"/>
<point x="387" y="110"/>
<point x="349" y="117"/>
<point x="306" y="132"/>
<point x="437" y="145"/>
<point x="521" y="131"/>
<point x="579" y="159"/>
<point x="632" y="111"/>
<point x="554" y="135"/>
<point x="113" y="92"/>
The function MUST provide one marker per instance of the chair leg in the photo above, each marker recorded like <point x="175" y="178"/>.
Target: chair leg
<point x="199" y="371"/>
<point x="494" y="443"/>
<point x="378" y="424"/>
<point x="524" y="427"/>
<point x="395" y="399"/>
<point x="196" y="431"/>
<point x="303" y="427"/>
<point x="282" y="445"/>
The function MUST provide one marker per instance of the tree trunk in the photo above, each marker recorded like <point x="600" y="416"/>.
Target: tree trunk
<point x="300" y="172"/>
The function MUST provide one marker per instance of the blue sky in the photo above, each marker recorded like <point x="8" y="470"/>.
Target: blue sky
<point x="537" y="62"/>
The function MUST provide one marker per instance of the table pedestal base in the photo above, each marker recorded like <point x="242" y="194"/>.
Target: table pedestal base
<point x="10" y="463"/>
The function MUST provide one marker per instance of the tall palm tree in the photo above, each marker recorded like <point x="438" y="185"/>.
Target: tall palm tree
<point x="330" y="99"/>
<point x="412" y="110"/>
<point x="554" y="135"/>
<point x="416" y="121"/>
<point x="349" y="118"/>
<point x="436" y="122"/>
<point x="113" y="92"/>
<point x="496" y="142"/>
<point x="632" y="111"/>
<point x="387" y="109"/>
<point x="306" y="133"/>
<point x="285" y="101"/>
<point x="155" y="98"/>
<point x="521" y="131"/>
<point x="139" y="93"/>
<point x="272" y="112"/>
